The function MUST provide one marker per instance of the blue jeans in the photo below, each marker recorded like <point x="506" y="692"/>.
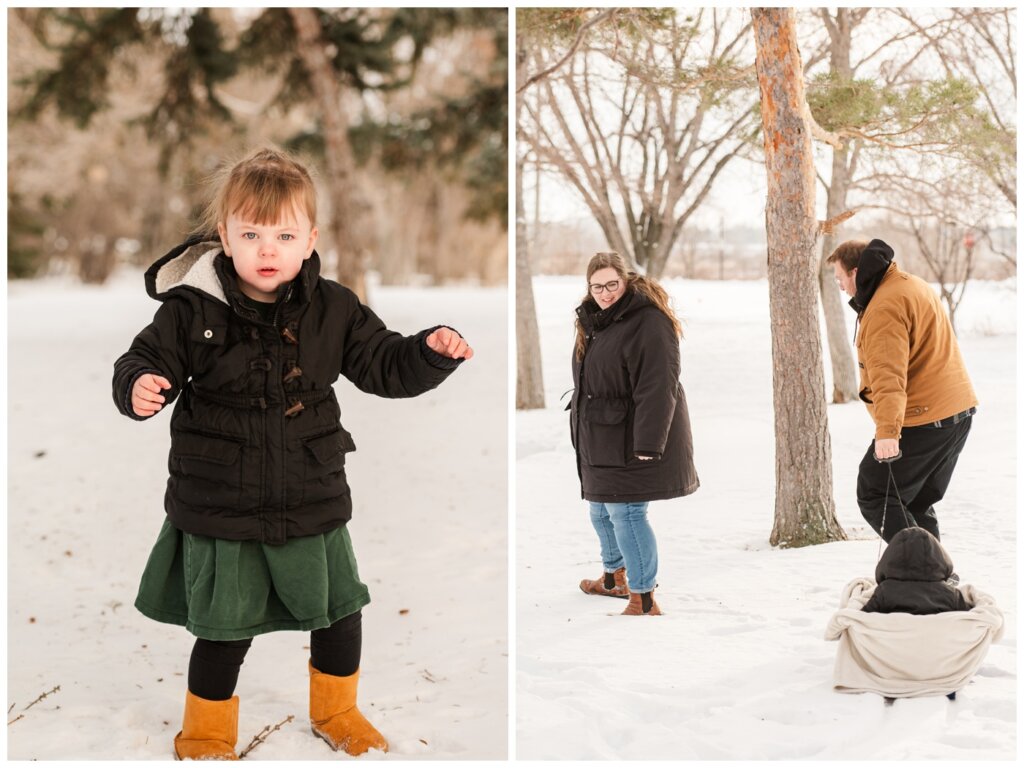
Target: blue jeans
<point x="627" y="539"/>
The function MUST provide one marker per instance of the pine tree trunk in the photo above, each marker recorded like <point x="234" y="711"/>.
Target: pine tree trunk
<point x="337" y="151"/>
<point x="529" y="376"/>
<point x="804" y="509"/>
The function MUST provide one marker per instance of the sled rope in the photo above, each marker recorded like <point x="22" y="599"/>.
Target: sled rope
<point x="885" y="505"/>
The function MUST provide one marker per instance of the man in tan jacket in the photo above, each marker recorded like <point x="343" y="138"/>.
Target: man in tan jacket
<point x="914" y="383"/>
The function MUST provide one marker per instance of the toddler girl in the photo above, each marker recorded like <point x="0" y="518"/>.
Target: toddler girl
<point x="249" y="340"/>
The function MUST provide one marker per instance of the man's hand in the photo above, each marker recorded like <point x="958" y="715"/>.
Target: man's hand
<point x="146" y="397"/>
<point x="886" y="448"/>
<point x="447" y="342"/>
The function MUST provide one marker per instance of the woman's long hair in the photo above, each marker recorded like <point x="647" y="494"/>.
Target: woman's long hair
<point x="648" y="286"/>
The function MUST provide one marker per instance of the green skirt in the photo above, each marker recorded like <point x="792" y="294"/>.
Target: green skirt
<point x="231" y="590"/>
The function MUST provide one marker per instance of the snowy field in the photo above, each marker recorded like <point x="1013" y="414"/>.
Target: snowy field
<point x="85" y="503"/>
<point x="737" y="668"/>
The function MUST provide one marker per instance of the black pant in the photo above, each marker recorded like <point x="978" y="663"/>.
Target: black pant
<point x="215" y="664"/>
<point x="921" y="477"/>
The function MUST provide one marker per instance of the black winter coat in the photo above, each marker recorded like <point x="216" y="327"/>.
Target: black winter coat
<point x="912" y="575"/>
<point x="628" y="401"/>
<point x="257" y="447"/>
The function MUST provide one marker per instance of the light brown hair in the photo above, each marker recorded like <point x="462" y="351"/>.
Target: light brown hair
<point x="848" y="254"/>
<point x="261" y="187"/>
<point x="649" y="287"/>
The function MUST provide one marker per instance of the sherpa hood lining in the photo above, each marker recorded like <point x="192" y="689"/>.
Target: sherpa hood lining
<point x="192" y="268"/>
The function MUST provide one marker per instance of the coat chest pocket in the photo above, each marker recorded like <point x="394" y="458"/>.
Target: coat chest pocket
<point x="207" y="469"/>
<point x="324" y="466"/>
<point x="603" y="432"/>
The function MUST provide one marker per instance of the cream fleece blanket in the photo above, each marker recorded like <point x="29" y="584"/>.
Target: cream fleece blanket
<point x="902" y="655"/>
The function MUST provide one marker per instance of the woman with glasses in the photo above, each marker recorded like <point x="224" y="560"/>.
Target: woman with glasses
<point x="629" y="423"/>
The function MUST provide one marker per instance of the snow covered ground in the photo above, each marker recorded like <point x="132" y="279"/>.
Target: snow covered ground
<point x="85" y="503"/>
<point x="737" y="668"/>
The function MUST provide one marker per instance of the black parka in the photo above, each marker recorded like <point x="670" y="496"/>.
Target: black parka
<point x="911" y="576"/>
<point x="257" y="447"/>
<point x="627" y="401"/>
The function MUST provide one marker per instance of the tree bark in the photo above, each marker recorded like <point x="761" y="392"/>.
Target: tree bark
<point x="804" y="508"/>
<point x="529" y="375"/>
<point x="844" y="372"/>
<point x="312" y="49"/>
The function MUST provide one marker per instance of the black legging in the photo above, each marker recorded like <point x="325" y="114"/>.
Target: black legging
<point x="214" y="666"/>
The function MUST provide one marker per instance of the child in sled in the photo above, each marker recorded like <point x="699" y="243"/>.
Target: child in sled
<point x="912" y="577"/>
<point x="913" y="633"/>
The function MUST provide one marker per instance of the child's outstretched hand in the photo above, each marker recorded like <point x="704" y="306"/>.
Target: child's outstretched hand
<point x="146" y="397"/>
<point x="447" y="342"/>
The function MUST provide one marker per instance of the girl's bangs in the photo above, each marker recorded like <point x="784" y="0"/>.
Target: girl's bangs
<point x="268" y="203"/>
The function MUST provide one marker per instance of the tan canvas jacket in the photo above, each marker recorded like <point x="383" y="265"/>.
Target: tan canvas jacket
<point x="911" y="370"/>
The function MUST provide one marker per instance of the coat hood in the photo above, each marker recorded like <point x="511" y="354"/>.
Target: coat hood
<point x="189" y="266"/>
<point x="198" y="266"/>
<point x="914" y="554"/>
<point x="873" y="264"/>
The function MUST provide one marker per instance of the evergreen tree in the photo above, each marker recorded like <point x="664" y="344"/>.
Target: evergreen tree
<point x="363" y="49"/>
<point x="466" y="134"/>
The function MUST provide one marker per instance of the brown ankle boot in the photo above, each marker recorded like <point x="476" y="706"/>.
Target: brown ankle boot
<point x="597" y="587"/>
<point x="209" y="730"/>
<point x="635" y="607"/>
<point x="334" y="716"/>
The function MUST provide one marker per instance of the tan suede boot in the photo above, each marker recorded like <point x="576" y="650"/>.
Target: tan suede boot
<point x="635" y="607"/>
<point x="209" y="730"/>
<point x="597" y="587"/>
<point x="334" y="716"/>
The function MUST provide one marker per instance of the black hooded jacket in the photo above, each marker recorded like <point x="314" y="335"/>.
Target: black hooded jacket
<point x="627" y="402"/>
<point x="912" y="575"/>
<point x="257" y="447"/>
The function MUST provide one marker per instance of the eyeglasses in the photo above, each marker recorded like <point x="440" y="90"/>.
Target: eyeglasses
<point x="597" y="289"/>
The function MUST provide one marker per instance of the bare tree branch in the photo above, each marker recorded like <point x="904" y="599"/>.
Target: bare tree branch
<point x="637" y="141"/>
<point x="41" y="697"/>
<point x="261" y="737"/>
<point x="580" y="35"/>
<point x="828" y="227"/>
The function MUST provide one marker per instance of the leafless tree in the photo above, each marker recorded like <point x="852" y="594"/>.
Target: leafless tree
<point x="641" y="125"/>
<point x="529" y="374"/>
<point x="948" y="214"/>
<point x="530" y="23"/>
<point x="950" y="258"/>
<point x="844" y="164"/>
